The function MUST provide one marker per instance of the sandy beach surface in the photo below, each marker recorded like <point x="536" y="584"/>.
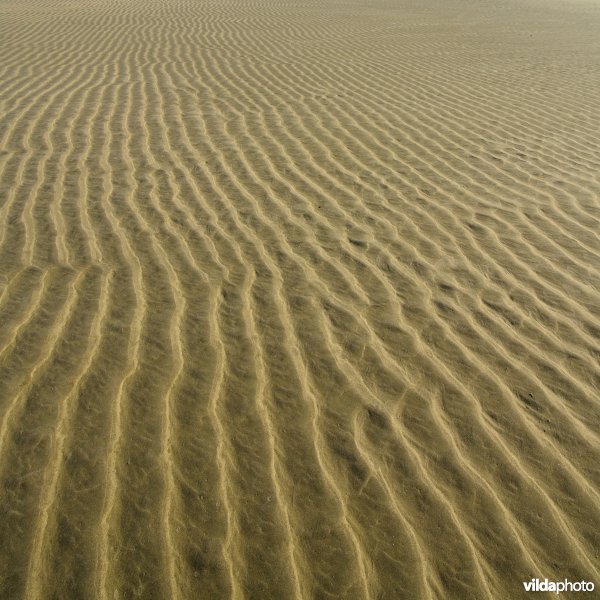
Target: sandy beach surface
<point x="299" y="299"/>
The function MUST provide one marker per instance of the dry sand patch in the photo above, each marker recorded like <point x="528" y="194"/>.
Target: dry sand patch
<point x="299" y="299"/>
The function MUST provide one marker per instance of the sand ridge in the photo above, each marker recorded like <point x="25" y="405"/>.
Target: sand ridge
<point x="298" y="299"/>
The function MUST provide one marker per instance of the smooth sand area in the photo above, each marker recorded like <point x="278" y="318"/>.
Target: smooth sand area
<point x="299" y="298"/>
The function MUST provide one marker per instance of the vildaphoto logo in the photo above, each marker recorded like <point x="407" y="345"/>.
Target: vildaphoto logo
<point x="543" y="585"/>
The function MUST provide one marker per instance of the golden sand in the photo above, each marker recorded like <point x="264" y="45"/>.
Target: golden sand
<point x="299" y="299"/>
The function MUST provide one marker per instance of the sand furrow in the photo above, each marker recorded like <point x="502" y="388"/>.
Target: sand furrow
<point x="106" y="542"/>
<point x="46" y="520"/>
<point x="400" y="106"/>
<point x="37" y="245"/>
<point x="145" y="385"/>
<point x="236" y="220"/>
<point x="355" y="382"/>
<point x="231" y="553"/>
<point x="259" y="394"/>
<point x="23" y="451"/>
<point x="54" y="333"/>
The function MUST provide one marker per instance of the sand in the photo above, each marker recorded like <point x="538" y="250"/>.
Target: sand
<point x="299" y="299"/>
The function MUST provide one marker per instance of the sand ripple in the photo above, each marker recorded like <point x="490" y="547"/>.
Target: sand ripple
<point x="298" y="299"/>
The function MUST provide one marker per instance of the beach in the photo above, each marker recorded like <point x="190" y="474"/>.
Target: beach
<point x="299" y="299"/>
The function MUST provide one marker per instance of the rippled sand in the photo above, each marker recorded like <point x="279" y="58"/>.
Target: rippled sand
<point x="298" y="299"/>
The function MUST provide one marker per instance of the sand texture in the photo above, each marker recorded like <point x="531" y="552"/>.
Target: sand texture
<point x="299" y="298"/>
